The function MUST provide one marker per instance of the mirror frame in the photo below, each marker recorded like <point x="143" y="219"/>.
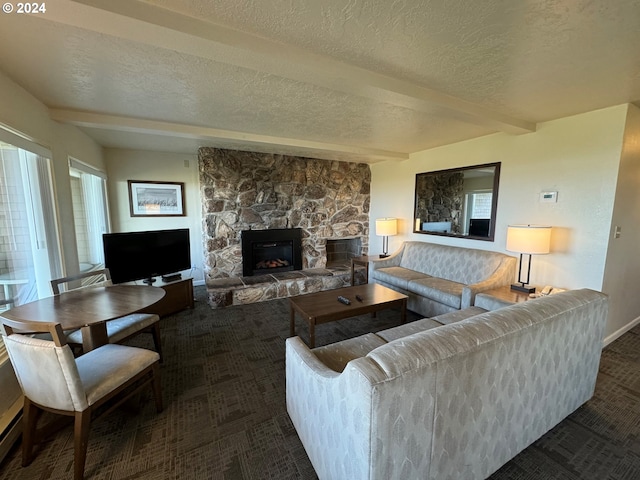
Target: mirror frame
<point x="494" y="201"/>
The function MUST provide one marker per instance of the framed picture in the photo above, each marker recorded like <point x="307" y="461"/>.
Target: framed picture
<point x="156" y="199"/>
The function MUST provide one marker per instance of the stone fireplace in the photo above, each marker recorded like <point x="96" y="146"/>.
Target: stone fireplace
<point x="325" y="199"/>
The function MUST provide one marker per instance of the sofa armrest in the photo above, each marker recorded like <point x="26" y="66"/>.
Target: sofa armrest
<point x="309" y="361"/>
<point x="392" y="260"/>
<point x="331" y="411"/>
<point x="503" y="275"/>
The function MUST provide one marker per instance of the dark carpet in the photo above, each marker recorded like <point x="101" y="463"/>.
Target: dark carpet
<point x="225" y="415"/>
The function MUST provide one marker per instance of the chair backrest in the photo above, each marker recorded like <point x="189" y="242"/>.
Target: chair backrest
<point x="46" y="369"/>
<point x="94" y="278"/>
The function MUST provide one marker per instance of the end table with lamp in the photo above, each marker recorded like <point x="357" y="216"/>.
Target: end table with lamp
<point x="527" y="240"/>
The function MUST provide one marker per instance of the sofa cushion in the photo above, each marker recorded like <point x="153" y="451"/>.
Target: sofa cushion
<point x="410" y="328"/>
<point x="438" y="289"/>
<point x="458" y="315"/>
<point x="337" y="355"/>
<point x="397" y="276"/>
<point x="463" y="265"/>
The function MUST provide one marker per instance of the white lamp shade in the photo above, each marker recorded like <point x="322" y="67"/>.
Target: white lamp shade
<point x="386" y="227"/>
<point x="530" y="239"/>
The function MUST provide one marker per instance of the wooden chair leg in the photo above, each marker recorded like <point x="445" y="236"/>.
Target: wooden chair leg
<point x="81" y="438"/>
<point x="29" y="421"/>
<point x="157" y="388"/>
<point x="155" y="331"/>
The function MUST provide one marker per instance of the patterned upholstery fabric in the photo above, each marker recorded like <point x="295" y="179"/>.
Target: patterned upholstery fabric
<point x="458" y="315"/>
<point x="489" y="302"/>
<point x="120" y="328"/>
<point x="337" y="355"/>
<point x="441" y="278"/>
<point x="399" y="276"/>
<point x="407" y="329"/>
<point x="452" y="402"/>
<point x="442" y="291"/>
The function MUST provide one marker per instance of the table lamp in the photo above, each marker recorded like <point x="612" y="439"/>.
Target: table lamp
<point x="384" y="228"/>
<point x="527" y="240"/>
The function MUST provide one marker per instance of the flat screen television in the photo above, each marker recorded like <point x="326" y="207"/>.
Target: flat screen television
<point x="144" y="255"/>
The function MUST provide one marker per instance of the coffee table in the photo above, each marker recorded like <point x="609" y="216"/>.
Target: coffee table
<point x="323" y="307"/>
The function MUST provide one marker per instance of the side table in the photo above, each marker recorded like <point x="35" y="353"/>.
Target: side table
<point x="500" y="297"/>
<point x="364" y="262"/>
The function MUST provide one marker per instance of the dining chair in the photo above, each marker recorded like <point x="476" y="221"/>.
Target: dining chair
<point x="118" y="329"/>
<point x="53" y="380"/>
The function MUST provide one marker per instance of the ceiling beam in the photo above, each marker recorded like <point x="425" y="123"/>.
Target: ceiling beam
<point x="154" y="127"/>
<point x="152" y="25"/>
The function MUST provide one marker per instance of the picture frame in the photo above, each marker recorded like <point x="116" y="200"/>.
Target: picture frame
<point x="156" y="199"/>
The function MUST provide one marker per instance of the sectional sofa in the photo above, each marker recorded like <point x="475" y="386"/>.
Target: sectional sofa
<point x="455" y="401"/>
<point x="441" y="278"/>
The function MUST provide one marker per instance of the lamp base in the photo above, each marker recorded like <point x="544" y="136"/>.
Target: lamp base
<point x="383" y="255"/>
<point x="522" y="287"/>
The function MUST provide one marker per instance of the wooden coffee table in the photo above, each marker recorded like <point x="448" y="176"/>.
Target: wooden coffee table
<point x="323" y="307"/>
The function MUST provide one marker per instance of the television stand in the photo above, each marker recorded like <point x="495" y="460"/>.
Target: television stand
<point x="171" y="278"/>
<point x="178" y="296"/>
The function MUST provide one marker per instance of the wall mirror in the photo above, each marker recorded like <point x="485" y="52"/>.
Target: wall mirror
<point x="459" y="202"/>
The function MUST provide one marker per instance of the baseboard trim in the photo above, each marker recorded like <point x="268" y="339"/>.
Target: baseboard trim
<point x="617" y="334"/>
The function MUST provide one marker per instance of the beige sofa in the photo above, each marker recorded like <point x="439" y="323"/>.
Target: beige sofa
<point x="441" y="278"/>
<point x="456" y="401"/>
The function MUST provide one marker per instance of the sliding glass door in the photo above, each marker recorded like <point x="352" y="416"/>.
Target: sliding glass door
<point x="29" y="247"/>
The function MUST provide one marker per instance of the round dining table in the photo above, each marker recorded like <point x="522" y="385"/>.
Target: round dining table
<point x="88" y="309"/>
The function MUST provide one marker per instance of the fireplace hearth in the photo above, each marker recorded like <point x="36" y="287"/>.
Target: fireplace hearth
<point x="271" y="251"/>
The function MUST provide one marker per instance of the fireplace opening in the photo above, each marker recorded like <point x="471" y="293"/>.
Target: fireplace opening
<point x="272" y="255"/>
<point x="271" y="251"/>
<point x="341" y="251"/>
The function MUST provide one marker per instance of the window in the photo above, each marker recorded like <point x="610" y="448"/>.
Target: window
<point x="478" y="206"/>
<point x="88" y="193"/>
<point x="29" y="247"/>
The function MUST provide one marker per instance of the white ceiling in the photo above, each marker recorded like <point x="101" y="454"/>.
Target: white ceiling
<point x="358" y="80"/>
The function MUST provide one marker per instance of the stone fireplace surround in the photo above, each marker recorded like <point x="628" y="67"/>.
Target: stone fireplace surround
<point x="328" y="200"/>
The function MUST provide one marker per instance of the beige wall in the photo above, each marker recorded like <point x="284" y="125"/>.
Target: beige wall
<point x="622" y="272"/>
<point x="123" y="165"/>
<point x="577" y="156"/>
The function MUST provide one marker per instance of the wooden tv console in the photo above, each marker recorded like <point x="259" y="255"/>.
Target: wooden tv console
<point x="178" y="296"/>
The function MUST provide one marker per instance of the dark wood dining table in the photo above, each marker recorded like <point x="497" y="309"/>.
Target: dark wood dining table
<point x="88" y="309"/>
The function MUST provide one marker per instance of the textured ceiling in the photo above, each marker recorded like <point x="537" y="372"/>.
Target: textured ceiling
<point x="359" y="80"/>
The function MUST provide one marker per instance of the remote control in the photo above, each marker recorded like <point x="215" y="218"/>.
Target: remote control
<point x="359" y="298"/>
<point x="344" y="300"/>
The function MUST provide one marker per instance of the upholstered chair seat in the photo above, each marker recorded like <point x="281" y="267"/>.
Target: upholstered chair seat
<point x="53" y="380"/>
<point x="121" y="328"/>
